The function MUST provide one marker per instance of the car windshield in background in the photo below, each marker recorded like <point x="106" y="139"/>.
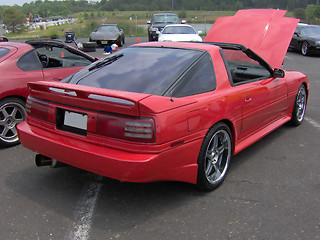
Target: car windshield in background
<point x="311" y="30"/>
<point x="166" y="19"/>
<point x="179" y="30"/>
<point x="107" y="29"/>
<point x="3" y="52"/>
<point x="139" y="69"/>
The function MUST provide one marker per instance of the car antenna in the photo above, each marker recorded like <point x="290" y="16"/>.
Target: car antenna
<point x="171" y="97"/>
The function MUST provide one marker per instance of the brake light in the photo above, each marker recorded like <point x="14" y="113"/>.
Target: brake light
<point x="127" y="128"/>
<point x="37" y="108"/>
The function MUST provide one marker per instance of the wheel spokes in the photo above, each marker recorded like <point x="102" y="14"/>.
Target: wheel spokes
<point x="11" y="114"/>
<point x="217" y="155"/>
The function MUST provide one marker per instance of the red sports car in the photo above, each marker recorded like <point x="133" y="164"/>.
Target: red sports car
<point x="21" y="63"/>
<point x="171" y="111"/>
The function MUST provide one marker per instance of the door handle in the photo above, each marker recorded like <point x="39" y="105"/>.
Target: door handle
<point x="248" y="98"/>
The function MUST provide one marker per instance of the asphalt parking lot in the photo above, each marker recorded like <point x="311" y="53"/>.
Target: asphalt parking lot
<point x="272" y="191"/>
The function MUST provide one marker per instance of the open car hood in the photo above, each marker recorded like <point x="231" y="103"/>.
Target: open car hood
<point x="265" y="31"/>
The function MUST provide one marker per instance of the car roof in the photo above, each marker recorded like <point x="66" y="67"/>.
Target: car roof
<point x="165" y="14"/>
<point x="180" y="45"/>
<point x="266" y="31"/>
<point x="178" y="25"/>
<point x="109" y="24"/>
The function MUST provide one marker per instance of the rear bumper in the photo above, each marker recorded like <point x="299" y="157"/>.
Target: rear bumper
<point x="176" y="164"/>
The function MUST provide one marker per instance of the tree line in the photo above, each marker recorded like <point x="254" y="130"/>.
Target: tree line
<point x="63" y="8"/>
<point x="14" y="17"/>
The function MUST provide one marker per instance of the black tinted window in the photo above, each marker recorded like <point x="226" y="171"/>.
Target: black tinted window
<point x="29" y="62"/>
<point x="140" y="69"/>
<point x="200" y="78"/>
<point x="3" y="52"/>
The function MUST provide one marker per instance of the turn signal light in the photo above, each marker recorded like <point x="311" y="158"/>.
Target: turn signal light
<point x="127" y="128"/>
<point x="37" y="108"/>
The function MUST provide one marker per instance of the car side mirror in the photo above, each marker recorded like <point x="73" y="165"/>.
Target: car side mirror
<point x="148" y="22"/>
<point x="158" y="32"/>
<point x="278" y="73"/>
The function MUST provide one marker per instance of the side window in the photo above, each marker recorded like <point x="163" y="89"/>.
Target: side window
<point x="244" y="69"/>
<point x="57" y="57"/>
<point x="3" y="52"/>
<point x="29" y="62"/>
<point x="199" y="79"/>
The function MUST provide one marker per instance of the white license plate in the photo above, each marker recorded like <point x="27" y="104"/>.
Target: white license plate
<point x="76" y="120"/>
<point x="104" y="42"/>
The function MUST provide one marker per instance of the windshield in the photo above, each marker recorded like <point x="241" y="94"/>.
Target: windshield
<point x="138" y="69"/>
<point x="165" y="19"/>
<point x="311" y="30"/>
<point x="108" y="28"/>
<point x="179" y="30"/>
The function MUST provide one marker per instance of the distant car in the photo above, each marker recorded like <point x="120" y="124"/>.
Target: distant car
<point x="158" y="22"/>
<point x="107" y="34"/>
<point x="179" y="33"/>
<point x="171" y="111"/>
<point x="3" y="38"/>
<point x="21" y="63"/>
<point x="306" y="39"/>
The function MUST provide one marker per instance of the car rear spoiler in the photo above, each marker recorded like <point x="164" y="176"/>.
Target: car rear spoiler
<point x="88" y="97"/>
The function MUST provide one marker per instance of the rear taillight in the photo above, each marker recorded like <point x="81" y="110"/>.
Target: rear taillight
<point x="37" y="108"/>
<point x="127" y="128"/>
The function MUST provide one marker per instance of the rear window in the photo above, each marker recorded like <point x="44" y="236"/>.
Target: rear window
<point x="179" y="30"/>
<point x="165" y="19"/>
<point x="3" y="52"/>
<point x="139" y="69"/>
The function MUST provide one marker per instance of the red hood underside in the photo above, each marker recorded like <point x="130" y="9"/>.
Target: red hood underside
<point x="265" y="31"/>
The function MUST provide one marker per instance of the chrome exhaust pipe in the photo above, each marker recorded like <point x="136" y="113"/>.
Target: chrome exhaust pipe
<point x="42" y="160"/>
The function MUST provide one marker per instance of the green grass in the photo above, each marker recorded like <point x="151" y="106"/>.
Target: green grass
<point x="90" y="21"/>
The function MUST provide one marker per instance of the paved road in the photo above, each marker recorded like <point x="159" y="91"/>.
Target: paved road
<point x="272" y="191"/>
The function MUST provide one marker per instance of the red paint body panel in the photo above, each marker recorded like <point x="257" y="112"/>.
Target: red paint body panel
<point x="265" y="31"/>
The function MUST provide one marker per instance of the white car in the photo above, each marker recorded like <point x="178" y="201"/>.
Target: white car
<point x="179" y="33"/>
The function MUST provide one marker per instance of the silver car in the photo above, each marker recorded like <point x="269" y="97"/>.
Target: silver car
<point x="107" y="34"/>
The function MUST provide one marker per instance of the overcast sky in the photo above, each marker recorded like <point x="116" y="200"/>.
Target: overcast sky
<point x="13" y="2"/>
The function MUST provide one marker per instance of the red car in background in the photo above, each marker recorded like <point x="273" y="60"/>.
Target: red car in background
<point x="21" y="63"/>
<point x="3" y="38"/>
<point x="171" y="111"/>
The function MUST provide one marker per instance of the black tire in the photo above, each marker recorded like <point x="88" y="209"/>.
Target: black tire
<point x="119" y="42"/>
<point x="299" y="108"/>
<point x="12" y="112"/>
<point x="123" y="40"/>
<point x="305" y="51"/>
<point x="214" y="157"/>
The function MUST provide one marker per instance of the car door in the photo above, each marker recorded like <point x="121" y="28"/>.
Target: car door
<point x="263" y="97"/>
<point x="295" y="41"/>
<point x="262" y="103"/>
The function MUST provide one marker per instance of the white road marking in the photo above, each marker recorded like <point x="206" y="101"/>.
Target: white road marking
<point x="290" y="58"/>
<point x="81" y="226"/>
<point x="313" y="122"/>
